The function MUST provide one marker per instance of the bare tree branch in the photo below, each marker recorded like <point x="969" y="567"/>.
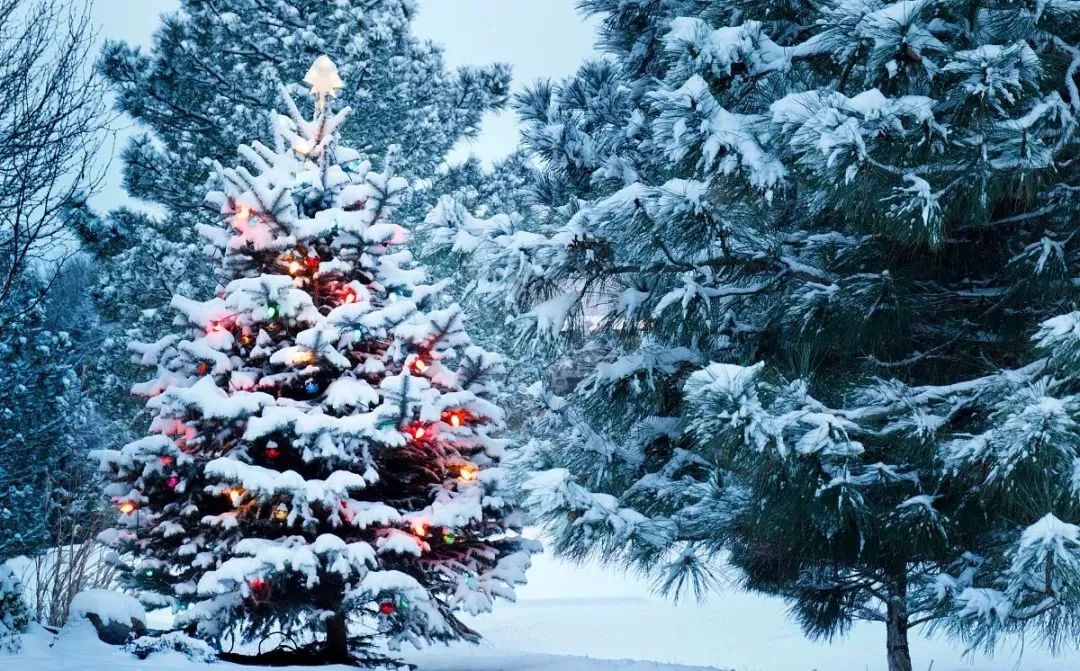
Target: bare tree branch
<point x="52" y="124"/>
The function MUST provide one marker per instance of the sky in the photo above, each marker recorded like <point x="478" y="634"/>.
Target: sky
<point x="539" y="38"/>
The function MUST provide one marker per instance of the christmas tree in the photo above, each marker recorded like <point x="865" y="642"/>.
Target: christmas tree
<point x="323" y="452"/>
<point x="794" y="254"/>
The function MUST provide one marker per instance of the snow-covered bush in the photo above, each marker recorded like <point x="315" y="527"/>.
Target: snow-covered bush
<point x="173" y="641"/>
<point x="13" y="613"/>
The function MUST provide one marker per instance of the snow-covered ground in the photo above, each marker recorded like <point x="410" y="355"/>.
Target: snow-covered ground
<point x="79" y="650"/>
<point x="570" y="610"/>
<point x="586" y="619"/>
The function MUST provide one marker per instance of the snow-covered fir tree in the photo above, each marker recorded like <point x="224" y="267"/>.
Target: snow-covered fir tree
<point x="200" y="91"/>
<point x="47" y="423"/>
<point x="454" y="241"/>
<point x="323" y="455"/>
<point x="793" y="255"/>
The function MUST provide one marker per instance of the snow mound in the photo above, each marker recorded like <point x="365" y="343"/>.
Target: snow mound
<point x="108" y="605"/>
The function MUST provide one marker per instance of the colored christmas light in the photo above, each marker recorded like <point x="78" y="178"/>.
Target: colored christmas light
<point x="272" y="453"/>
<point x="419" y="432"/>
<point x="203" y="368"/>
<point x="419" y="365"/>
<point x="347" y="296"/>
<point x="311" y="386"/>
<point x="468" y="473"/>
<point x="302" y="357"/>
<point x="165" y="459"/>
<point x="272" y="311"/>
<point x="387" y="608"/>
<point x="281" y="513"/>
<point x="312" y="262"/>
<point x="173" y="481"/>
<point x="236" y="495"/>
<point x="420" y="528"/>
<point x="302" y="146"/>
<point x="449" y="537"/>
<point x="259" y="588"/>
<point x="127" y="506"/>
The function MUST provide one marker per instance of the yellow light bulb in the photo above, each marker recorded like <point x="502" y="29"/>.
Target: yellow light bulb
<point x="236" y="495"/>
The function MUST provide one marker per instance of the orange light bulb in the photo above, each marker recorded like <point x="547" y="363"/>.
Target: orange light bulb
<point x="468" y="473"/>
<point x="303" y="358"/>
<point x="419" y="433"/>
<point x="127" y="506"/>
<point x="236" y="495"/>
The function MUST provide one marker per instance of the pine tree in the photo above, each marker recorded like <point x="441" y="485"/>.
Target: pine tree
<point x="47" y="422"/>
<point x="794" y="254"/>
<point x="323" y="451"/>
<point x="200" y="92"/>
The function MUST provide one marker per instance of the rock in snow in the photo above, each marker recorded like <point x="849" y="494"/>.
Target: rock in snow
<point x="115" y="616"/>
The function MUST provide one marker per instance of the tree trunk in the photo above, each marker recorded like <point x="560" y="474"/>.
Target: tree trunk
<point x="896" y="626"/>
<point x="337" y="640"/>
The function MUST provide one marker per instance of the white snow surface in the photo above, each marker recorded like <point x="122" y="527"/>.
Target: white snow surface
<point x="583" y="618"/>
<point x="108" y="605"/>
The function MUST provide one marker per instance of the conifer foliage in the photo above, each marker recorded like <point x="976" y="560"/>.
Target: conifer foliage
<point x="323" y="453"/>
<point x="796" y="253"/>
<point x="201" y="90"/>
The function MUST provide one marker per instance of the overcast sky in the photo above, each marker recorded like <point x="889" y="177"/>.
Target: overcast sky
<point x="539" y="38"/>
